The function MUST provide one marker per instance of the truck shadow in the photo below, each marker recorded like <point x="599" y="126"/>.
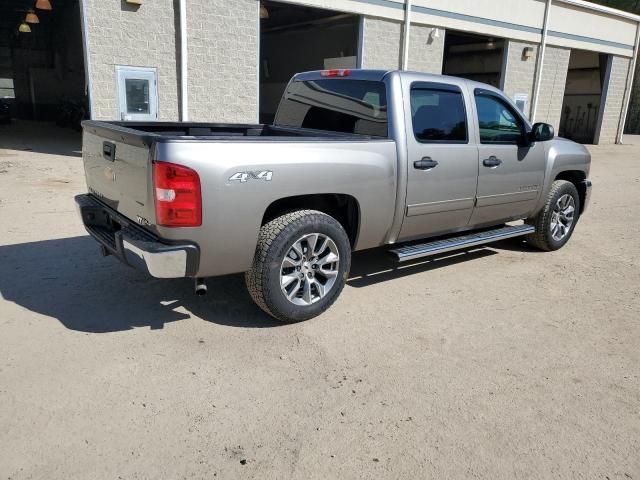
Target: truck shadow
<point x="68" y="280"/>
<point x="377" y="265"/>
<point x="515" y="245"/>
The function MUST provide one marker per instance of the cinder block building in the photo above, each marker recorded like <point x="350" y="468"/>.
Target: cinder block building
<point x="566" y="62"/>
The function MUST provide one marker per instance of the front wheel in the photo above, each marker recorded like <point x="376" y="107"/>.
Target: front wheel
<point x="300" y="266"/>
<point x="554" y="224"/>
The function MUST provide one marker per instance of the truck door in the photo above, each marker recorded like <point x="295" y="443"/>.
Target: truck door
<point x="511" y="169"/>
<point x="443" y="162"/>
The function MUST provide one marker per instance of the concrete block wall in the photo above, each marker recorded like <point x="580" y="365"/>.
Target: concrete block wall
<point x="119" y="34"/>
<point x="425" y="51"/>
<point x="382" y="46"/>
<point x="519" y="73"/>
<point x="223" y="62"/>
<point x="615" y="89"/>
<point x="552" y="85"/>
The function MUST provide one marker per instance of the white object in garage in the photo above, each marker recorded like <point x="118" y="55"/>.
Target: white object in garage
<point x="522" y="102"/>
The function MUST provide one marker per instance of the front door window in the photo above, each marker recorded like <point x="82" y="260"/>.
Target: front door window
<point x="498" y="123"/>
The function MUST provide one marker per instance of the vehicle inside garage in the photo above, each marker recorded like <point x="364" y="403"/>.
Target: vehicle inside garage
<point x="296" y="39"/>
<point x="42" y="73"/>
<point x="583" y="95"/>
<point x="475" y="57"/>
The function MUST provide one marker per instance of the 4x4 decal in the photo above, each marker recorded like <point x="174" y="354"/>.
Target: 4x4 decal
<point x="266" y="175"/>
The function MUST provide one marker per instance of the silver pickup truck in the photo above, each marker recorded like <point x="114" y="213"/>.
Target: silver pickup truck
<point x="354" y="160"/>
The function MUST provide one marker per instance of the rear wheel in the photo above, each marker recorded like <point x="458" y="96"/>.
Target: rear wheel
<point x="300" y="267"/>
<point x="555" y="222"/>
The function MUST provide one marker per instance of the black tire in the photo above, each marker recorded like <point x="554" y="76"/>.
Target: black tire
<point x="274" y="242"/>
<point x="542" y="238"/>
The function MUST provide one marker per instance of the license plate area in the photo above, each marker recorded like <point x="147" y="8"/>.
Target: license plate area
<point x="99" y="217"/>
<point x="104" y="225"/>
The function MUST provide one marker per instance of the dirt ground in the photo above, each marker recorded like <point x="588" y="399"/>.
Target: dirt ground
<point x="501" y="362"/>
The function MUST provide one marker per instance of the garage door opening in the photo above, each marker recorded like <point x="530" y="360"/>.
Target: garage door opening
<point x="475" y="57"/>
<point x="41" y="61"/>
<point x="583" y="95"/>
<point x="296" y="39"/>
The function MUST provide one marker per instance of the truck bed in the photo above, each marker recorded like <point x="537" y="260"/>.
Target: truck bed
<point x="119" y="157"/>
<point x="145" y="133"/>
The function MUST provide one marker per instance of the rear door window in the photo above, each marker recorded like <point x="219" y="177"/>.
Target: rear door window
<point x="336" y="105"/>
<point x="438" y="114"/>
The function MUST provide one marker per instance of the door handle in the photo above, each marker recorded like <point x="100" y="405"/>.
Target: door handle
<point x="492" y="161"/>
<point x="425" y="164"/>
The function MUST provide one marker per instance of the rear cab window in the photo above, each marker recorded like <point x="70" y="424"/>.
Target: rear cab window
<point x="438" y="113"/>
<point x="335" y="105"/>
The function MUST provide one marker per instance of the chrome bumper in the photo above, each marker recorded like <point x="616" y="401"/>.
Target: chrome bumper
<point x="586" y="184"/>
<point x="159" y="260"/>
<point x="135" y="246"/>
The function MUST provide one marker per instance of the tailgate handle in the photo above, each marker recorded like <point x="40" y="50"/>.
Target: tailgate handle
<point x="109" y="151"/>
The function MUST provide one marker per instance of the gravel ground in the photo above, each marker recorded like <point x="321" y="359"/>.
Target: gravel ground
<point x="501" y="362"/>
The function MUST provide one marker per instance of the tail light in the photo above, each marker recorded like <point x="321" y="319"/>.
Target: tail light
<point x="177" y="195"/>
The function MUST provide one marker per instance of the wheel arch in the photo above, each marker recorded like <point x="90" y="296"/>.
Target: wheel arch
<point x="577" y="177"/>
<point x="344" y="208"/>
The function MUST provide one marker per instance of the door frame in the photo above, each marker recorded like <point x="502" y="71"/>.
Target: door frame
<point x="604" y="92"/>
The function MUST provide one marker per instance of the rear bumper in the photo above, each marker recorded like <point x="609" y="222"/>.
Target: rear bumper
<point x="134" y="245"/>
<point x="586" y="184"/>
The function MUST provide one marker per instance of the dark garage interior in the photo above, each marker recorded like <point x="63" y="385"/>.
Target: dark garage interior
<point x="296" y="39"/>
<point x="475" y="57"/>
<point x="42" y="74"/>
<point x="583" y="95"/>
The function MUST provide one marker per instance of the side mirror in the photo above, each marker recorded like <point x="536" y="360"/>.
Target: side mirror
<point x="541" y="132"/>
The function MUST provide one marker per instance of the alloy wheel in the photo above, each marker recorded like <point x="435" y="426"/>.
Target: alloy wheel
<point x="562" y="217"/>
<point x="309" y="269"/>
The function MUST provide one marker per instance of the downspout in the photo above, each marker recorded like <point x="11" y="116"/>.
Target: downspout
<point x="360" y="61"/>
<point x="405" y="34"/>
<point x="627" y="93"/>
<point x="540" y="61"/>
<point x="184" y="63"/>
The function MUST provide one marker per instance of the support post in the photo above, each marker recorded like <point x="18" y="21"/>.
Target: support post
<point x="629" y="87"/>
<point x="540" y="61"/>
<point x="405" y="34"/>
<point x="84" y="25"/>
<point x="184" y="63"/>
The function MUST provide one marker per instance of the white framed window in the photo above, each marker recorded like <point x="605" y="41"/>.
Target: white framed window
<point x="137" y="93"/>
<point x="522" y="102"/>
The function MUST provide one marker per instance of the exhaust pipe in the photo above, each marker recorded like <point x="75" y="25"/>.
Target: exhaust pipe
<point x="201" y="287"/>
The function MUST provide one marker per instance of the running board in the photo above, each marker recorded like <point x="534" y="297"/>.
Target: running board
<point x="472" y="239"/>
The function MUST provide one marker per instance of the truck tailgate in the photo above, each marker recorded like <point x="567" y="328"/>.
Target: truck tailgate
<point x="119" y="173"/>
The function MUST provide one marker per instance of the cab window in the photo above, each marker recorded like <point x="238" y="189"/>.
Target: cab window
<point x="438" y="115"/>
<point x="497" y="121"/>
<point x="336" y="105"/>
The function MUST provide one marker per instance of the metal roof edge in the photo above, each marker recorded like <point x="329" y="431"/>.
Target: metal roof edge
<point x="601" y="9"/>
